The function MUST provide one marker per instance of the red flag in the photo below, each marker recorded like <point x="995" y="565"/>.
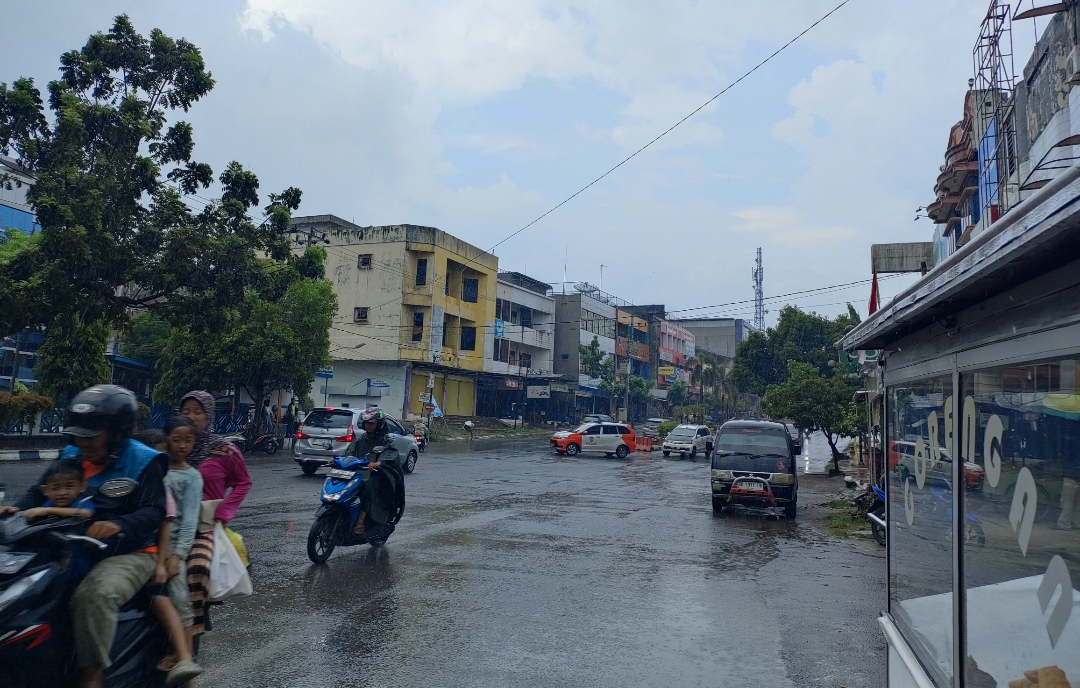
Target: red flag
<point x="874" y="296"/>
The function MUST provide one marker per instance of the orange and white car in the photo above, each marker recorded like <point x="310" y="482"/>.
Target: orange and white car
<point x="607" y="438"/>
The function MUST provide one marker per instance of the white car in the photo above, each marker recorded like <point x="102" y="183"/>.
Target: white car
<point x="689" y="440"/>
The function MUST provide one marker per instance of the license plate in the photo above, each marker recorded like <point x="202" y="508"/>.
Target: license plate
<point x="759" y="487"/>
<point x="340" y="474"/>
<point x="11" y="562"/>
<point x="328" y="445"/>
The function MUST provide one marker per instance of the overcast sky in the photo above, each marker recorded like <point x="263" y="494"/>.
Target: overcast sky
<point x="477" y="116"/>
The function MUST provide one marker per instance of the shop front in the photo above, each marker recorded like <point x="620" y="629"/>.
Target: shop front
<point x="980" y="362"/>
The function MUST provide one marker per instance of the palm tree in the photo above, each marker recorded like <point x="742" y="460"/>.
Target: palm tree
<point x="703" y="372"/>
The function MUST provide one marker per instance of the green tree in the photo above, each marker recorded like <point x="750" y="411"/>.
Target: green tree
<point x="640" y="389"/>
<point x="678" y="393"/>
<point x="703" y="372"/>
<point x="110" y="174"/>
<point x="265" y="343"/>
<point x="594" y="362"/>
<point x="813" y="401"/>
<point x="72" y="357"/>
<point x="146" y="339"/>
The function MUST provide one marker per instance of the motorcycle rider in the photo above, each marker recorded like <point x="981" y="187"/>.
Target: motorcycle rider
<point x="129" y="508"/>
<point x="378" y="490"/>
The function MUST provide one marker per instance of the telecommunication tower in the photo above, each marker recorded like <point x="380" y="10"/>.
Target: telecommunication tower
<point x="759" y="295"/>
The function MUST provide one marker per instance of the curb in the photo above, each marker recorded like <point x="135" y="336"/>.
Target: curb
<point x="30" y="455"/>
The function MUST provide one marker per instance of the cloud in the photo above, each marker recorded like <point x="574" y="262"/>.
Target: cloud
<point x="784" y="224"/>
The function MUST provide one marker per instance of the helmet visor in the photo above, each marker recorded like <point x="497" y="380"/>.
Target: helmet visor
<point x="84" y="424"/>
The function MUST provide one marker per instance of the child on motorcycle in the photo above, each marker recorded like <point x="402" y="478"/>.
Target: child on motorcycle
<point x="171" y="601"/>
<point x="64" y="489"/>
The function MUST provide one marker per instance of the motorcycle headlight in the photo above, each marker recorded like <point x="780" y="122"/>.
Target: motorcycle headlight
<point x="19" y="588"/>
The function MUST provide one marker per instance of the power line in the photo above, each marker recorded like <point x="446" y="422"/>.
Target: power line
<point x="835" y="287"/>
<point x="673" y="126"/>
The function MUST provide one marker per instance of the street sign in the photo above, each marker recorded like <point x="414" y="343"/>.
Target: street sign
<point x="666" y="370"/>
<point x="429" y="407"/>
<point x="431" y="381"/>
<point x="425" y="397"/>
<point x="624" y="368"/>
<point x="325" y="373"/>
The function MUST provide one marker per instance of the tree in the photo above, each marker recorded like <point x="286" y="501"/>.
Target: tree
<point x="678" y="393"/>
<point x="755" y="366"/>
<point x="265" y="343"/>
<point x="703" y="372"/>
<point x="639" y="389"/>
<point x="116" y="234"/>
<point x="72" y="357"/>
<point x="146" y="339"/>
<point x="813" y="401"/>
<point x="22" y="405"/>
<point x="594" y="362"/>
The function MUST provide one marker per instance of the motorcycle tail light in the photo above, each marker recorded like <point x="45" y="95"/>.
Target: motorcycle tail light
<point x="347" y="437"/>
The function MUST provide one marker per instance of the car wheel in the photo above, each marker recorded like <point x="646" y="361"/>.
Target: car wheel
<point x="790" y="510"/>
<point x="623" y="451"/>
<point x="572" y="449"/>
<point x="717" y="504"/>
<point x="320" y="541"/>
<point x="309" y="468"/>
<point x="667" y="453"/>
<point x="410" y="462"/>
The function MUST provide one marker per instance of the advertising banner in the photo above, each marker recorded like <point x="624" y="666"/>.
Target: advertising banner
<point x="538" y="392"/>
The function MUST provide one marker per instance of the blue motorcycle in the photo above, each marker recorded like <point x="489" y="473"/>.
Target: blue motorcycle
<point x="972" y="535"/>
<point x="341" y="507"/>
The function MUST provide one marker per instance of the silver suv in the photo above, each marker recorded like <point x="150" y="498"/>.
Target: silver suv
<point x="328" y="432"/>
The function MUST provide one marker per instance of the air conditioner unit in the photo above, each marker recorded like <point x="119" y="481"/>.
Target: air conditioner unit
<point x="1073" y="67"/>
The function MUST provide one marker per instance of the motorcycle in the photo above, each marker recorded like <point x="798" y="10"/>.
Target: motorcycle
<point x="972" y="534"/>
<point x="36" y="637"/>
<point x="341" y="507"/>
<point x="249" y="440"/>
<point x="421" y="441"/>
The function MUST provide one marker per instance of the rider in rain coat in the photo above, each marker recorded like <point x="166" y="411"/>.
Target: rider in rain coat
<point x="378" y="491"/>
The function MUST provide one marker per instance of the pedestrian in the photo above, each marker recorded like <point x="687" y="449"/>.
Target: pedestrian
<point x="153" y="438"/>
<point x="469" y="428"/>
<point x="171" y="599"/>
<point x="267" y="419"/>
<point x="289" y="419"/>
<point x="225" y="484"/>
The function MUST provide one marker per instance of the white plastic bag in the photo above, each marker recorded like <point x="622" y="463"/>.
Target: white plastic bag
<point x="228" y="576"/>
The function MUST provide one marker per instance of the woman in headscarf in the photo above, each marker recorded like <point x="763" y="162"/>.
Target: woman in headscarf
<point x="225" y="480"/>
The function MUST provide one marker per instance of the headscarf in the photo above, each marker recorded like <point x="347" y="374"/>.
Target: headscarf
<point x="206" y="441"/>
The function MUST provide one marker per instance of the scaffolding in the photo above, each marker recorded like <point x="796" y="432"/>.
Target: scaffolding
<point x="995" y="114"/>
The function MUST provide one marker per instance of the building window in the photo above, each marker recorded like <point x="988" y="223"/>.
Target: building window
<point x="360" y="314"/>
<point x="470" y="289"/>
<point x="445" y="330"/>
<point x="468" y="338"/>
<point x="526" y="317"/>
<point x="418" y="326"/>
<point x="525" y="360"/>
<point x="513" y="357"/>
<point x="363" y="261"/>
<point x="421" y="272"/>
<point x="502" y="309"/>
<point x="501" y="351"/>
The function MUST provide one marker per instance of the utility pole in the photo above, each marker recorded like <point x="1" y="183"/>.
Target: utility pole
<point x="758" y="274"/>
<point x="311" y="234"/>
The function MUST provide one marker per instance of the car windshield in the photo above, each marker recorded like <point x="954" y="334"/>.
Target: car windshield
<point x="751" y="441"/>
<point x="583" y="427"/>
<point x="328" y="418"/>
<point x="681" y="434"/>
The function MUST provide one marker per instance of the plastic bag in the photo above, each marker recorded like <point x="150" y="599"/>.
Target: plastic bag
<point x="238" y="542"/>
<point x="228" y="575"/>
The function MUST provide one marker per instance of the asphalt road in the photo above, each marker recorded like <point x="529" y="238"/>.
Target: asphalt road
<point x="514" y="566"/>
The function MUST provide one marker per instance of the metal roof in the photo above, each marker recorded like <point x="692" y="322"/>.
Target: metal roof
<point x="1036" y="236"/>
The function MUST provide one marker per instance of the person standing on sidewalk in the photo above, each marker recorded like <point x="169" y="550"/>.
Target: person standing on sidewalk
<point x="289" y="421"/>
<point x="1069" y="462"/>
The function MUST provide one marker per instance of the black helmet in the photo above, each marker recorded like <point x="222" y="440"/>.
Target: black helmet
<point x="374" y="415"/>
<point x="103" y="408"/>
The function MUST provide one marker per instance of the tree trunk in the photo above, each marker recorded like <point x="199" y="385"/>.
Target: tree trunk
<point x="835" y="452"/>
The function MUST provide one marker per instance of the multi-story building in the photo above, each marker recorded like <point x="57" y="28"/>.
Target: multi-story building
<point x="414" y="304"/>
<point x="579" y="317"/>
<point x="519" y="348"/>
<point x="677" y="348"/>
<point x="717" y="336"/>
<point x="17" y="350"/>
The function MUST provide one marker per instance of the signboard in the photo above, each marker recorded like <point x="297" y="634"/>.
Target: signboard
<point x="429" y="408"/>
<point x="635" y="350"/>
<point x="325" y="373"/>
<point x="512" y="382"/>
<point x="436" y="332"/>
<point x="624" y="367"/>
<point x="500" y="327"/>
<point x="559" y="387"/>
<point x="538" y="392"/>
<point x="431" y="381"/>
<point x="666" y="370"/>
<point x="425" y="397"/>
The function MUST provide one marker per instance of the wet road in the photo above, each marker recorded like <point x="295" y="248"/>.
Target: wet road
<point x="516" y="567"/>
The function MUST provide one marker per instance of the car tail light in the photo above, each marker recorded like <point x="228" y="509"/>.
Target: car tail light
<point x="300" y="434"/>
<point x="347" y="437"/>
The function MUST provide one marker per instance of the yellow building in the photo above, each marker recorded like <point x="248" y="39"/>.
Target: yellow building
<point x="413" y="306"/>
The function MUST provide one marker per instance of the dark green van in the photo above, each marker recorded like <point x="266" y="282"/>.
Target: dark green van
<point x="753" y="465"/>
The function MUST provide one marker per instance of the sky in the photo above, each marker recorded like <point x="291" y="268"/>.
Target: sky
<point x="477" y="117"/>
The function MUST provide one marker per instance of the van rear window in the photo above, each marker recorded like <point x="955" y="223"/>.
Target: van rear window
<point x="752" y="441"/>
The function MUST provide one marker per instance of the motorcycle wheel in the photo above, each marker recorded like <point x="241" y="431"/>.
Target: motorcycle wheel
<point x="271" y="446"/>
<point x="410" y="462"/>
<point x="320" y="541"/>
<point x="973" y="533"/>
<point x="877" y="531"/>
<point x="1041" y="509"/>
